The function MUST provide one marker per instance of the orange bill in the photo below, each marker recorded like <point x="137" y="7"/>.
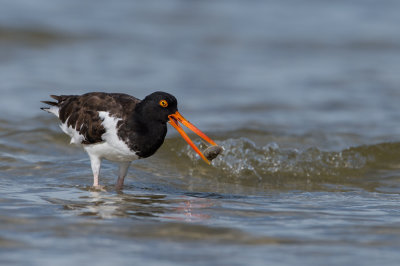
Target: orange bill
<point x="177" y="117"/>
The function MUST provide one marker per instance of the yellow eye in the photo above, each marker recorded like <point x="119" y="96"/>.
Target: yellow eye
<point x="163" y="103"/>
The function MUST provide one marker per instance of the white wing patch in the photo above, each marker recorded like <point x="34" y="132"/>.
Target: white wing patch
<point x="76" y="138"/>
<point x="112" y="148"/>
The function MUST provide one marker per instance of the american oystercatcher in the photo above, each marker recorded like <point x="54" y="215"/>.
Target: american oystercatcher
<point x="119" y="127"/>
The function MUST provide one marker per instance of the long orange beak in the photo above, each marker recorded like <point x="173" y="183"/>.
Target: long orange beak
<point x="177" y="117"/>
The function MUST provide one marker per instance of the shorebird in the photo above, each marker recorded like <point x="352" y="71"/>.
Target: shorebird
<point x="119" y="127"/>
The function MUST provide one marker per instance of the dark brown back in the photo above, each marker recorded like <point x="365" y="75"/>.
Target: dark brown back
<point x="81" y="111"/>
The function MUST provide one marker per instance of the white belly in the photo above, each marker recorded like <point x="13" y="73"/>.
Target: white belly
<point x="111" y="153"/>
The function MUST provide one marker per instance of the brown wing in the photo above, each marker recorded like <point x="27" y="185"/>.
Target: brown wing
<point x="82" y="111"/>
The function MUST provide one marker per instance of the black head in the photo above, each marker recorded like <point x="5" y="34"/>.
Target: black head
<point x="161" y="107"/>
<point x="158" y="106"/>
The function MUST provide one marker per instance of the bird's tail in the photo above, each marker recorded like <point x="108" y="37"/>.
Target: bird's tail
<point x="53" y="108"/>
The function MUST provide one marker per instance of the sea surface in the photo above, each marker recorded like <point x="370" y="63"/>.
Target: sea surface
<point x="304" y="96"/>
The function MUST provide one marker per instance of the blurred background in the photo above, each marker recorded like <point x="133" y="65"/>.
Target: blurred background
<point x="264" y="64"/>
<point x="303" y="95"/>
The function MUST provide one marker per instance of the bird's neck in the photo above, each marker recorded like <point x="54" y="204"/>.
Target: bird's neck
<point x="148" y="135"/>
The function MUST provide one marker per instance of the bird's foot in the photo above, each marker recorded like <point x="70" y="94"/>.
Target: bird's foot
<point x="98" y="188"/>
<point x="119" y="187"/>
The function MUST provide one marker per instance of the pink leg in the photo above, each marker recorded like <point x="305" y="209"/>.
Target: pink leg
<point x="123" y="169"/>
<point x="95" y="162"/>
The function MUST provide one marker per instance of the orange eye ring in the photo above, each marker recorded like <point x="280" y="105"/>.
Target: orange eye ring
<point x="163" y="103"/>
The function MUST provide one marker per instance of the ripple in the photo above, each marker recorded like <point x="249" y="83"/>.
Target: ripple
<point x="35" y="36"/>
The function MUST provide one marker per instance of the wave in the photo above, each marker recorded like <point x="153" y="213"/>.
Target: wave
<point x="245" y="162"/>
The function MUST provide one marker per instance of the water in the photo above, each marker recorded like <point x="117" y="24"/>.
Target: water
<point x="302" y="95"/>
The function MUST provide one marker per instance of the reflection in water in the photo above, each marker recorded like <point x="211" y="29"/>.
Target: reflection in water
<point x="105" y="205"/>
<point x="190" y="210"/>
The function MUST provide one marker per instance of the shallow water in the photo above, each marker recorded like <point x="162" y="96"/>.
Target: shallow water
<point x="302" y="96"/>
